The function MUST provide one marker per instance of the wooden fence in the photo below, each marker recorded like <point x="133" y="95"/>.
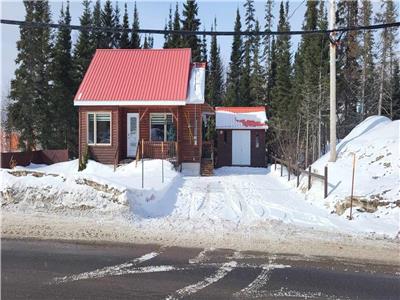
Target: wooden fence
<point x="48" y="157"/>
<point x="297" y="171"/>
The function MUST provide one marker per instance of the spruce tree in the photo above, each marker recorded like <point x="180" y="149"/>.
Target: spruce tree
<point x="176" y="39"/>
<point x="168" y="26"/>
<point x="107" y="21"/>
<point x="43" y="53"/>
<point x="84" y="47"/>
<point x="367" y="97"/>
<point x="257" y="79"/>
<point x="348" y="69"/>
<point x="190" y="22"/>
<point x="267" y="54"/>
<point x="396" y="91"/>
<point x="124" y="41"/>
<point x="215" y="88"/>
<point x="281" y="92"/>
<point x="245" y="89"/>
<point x="204" y="56"/>
<point x="63" y="112"/>
<point x="22" y="107"/>
<point x="232" y="96"/>
<point x="97" y="34"/>
<point x="135" y="37"/>
<point x="116" y="35"/>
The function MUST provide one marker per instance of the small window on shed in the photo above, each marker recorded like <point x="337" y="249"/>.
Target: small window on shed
<point x="257" y="140"/>
<point x="225" y="137"/>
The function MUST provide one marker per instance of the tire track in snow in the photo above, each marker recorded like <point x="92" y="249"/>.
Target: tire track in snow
<point x="253" y="289"/>
<point x="201" y="257"/>
<point x="109" y="271"/>
<point x="194" y="288"/>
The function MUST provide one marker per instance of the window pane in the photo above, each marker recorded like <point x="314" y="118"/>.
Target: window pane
<point x="171" y="131"/>
<point x="157" y="132"/>
<point x="103" y="123"/>
<point x="91" y="129"/>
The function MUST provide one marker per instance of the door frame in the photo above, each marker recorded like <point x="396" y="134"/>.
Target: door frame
<point x="128" y="115"/>
<point x="233" y="145"/>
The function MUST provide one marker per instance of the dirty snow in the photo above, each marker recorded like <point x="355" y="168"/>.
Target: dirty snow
<point x="236" y="205"/>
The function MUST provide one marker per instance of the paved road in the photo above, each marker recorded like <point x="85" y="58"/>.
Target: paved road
<point x="57" y="270"/>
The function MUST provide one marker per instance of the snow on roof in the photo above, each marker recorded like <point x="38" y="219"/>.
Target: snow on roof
<point x="241" y="118"/>
<point x="141" y="77"/>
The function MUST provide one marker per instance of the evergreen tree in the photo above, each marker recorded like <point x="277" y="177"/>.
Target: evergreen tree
<point x="257" y="90"/>
<point x="176" y="39"/>
<point x="62" y="109"/>
<point x="281" y="93"/>
<point x="367" y="97"/>
<point x="245" y="90"/>
<point x="22" y="107"/>
<point x="135" y="37"/>
<point x="97" y="34"/>
<point x="148" y="42"/>
<point x="124" y="42"/>
<point x="204" y="56"/>
<point x="42" y="60"/>
<point x="396" y="91"/>
<point x="168" y="26"/>
<point x="235" y="65"/>
<point x="215" y="88"/>
<point x="191" y="23"/>
<point x="267" y="55"/>
<point x="107" y="21"/>
<point x="84" y="47"/>
<point x="116" y="36"/>
<point x="348" y="70"/>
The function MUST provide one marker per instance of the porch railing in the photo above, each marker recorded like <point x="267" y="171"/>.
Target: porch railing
<point x="160" y="150"/>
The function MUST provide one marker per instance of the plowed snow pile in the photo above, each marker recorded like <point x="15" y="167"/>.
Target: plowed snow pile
<point x="376" y="144"/>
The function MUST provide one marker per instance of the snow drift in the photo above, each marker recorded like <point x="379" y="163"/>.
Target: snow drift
<point x="375" y="143"/>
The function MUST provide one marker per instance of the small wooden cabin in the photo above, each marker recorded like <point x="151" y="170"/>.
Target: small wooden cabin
<point x="241" y="136"/>
<point x="151" y="99"/>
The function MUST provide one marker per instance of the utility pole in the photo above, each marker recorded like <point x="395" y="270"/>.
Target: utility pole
<point x="332" y="86"/>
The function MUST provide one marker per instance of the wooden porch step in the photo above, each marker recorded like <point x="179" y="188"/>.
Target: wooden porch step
<point x="207" y="167"/>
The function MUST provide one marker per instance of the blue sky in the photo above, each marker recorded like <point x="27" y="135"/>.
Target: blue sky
<point x="152" y="15"/>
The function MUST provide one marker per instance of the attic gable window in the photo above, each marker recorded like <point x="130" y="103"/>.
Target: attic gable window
<point x="99" y="128"/>
<point x="162" y="127"/>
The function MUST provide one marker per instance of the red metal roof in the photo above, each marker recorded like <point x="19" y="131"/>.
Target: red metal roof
<point x="237" y="109"/>
<point x="136" y="74"/>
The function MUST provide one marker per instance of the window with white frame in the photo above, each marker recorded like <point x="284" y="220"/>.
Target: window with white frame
<point x="99" y="128"/>
<point x="162" y="127"/>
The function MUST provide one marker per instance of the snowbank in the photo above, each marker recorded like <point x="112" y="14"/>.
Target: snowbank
<point x="60" y="188"/>
<point x="375" y="143"/>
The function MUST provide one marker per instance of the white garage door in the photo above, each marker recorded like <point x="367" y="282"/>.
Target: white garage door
<point x="241" y="147"/>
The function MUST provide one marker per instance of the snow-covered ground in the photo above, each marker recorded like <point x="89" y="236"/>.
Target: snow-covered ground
<point x="237" y="201"/>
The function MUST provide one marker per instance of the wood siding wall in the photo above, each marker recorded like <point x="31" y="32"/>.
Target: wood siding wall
<point x="224" y="150"/>
<point x="101" y="153"/>
<point x="184" y="120"/>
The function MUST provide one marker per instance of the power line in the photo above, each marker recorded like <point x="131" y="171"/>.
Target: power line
<point x="204" y="32"/>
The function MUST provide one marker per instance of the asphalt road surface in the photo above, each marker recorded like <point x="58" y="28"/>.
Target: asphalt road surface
<point x="65" y="270"/>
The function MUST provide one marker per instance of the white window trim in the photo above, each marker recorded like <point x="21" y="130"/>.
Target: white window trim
<point x="95" y="128"/>
<point x="166" y="114"/>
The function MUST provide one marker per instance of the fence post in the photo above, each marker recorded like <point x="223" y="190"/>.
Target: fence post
<point x="281" y="169"/>
<point x="309" y="177"/>
<point x="142" y="164"/>
<point x="326" y="182"/>
<point x="288" y="178"/>
<point x="275" y="163"/>
<point x="352" y="187"/>
<point x="162" y="161"/>
<point x="298" y="176"/>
